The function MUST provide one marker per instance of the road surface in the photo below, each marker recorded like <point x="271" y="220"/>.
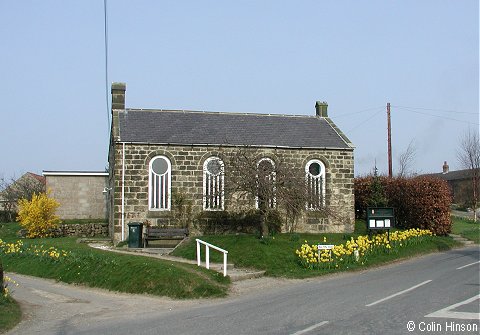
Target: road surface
<point x="433" y="294"/>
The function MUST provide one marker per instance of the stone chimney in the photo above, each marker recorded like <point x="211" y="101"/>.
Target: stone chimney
<point x="321" y="109"/>
<point x="445" y="167"/>
<point x="118" y="95"/>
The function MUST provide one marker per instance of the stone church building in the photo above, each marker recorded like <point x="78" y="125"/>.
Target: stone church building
<point x="155" y="155"/>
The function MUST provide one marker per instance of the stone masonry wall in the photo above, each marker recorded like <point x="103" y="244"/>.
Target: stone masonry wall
<point x="80" y="230"/>
<point x="187" y="176"/>
<point x="80" y="197"/>
<point x="83" y="230"/>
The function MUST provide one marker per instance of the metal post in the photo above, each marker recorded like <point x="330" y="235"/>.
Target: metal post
<point x="207" y="257"/>
<point x="389" y="128"/>
<point x="224" y="264"/>
<point x="198" y="254"/>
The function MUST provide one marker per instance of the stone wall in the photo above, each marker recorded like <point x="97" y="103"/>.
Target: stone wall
<point x="187" y="176"/>
<point x="80" y="230"/>
<point x="80" y="196"/>
<point x="84" y="230"/>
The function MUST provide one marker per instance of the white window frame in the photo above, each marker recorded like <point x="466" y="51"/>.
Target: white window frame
<point x="159" y="201"/>
<point x="213" y="187"/>
<point x="274" y="177"/>
<point x="311" y="180"/>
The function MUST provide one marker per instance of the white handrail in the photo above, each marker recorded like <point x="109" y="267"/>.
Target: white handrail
<point x="207" y="255"/>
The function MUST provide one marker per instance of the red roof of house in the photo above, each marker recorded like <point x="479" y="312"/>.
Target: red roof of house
<point x="37" y="177"/>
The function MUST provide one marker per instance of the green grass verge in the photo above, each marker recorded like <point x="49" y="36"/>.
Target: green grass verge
<point x="137" y="274"/>
<point x="8" y="231"/>
<point x="10" y="314"/>
<point x="466" y="228"/>
<point x="277" y="255"/>
<point x="112" y="271"/>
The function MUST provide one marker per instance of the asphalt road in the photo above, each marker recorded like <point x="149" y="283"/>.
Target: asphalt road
<point x="433" y="294"/>
<point x="467" y="215"/>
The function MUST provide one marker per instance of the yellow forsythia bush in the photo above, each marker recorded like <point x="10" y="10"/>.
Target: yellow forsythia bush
<point x="38" y="215"/>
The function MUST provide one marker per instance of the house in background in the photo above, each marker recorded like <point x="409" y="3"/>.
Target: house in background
<point x="156" y="153"/>
<point x="34" y="180"/>
<point x="27" y="184"/>
<point x="81" y="194"/>
<point x="460" y="183"/>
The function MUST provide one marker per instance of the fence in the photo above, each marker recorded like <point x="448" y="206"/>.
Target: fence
<point x="207" y="255"/>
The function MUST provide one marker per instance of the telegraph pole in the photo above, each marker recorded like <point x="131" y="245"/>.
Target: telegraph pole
<point x="389" y="128"/>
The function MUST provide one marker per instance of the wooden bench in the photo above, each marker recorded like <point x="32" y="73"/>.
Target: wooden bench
<point x="157" y="233"/>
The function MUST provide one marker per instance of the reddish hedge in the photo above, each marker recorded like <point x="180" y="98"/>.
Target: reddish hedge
<point x="420" y="202"/>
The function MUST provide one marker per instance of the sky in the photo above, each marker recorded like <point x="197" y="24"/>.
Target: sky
<point x="274" y="57"/>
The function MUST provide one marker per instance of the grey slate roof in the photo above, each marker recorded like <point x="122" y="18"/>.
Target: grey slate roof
<point x="213" y="128"/>
<point x="453" y="175"/>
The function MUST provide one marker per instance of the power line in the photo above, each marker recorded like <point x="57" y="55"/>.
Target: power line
<point x="434" y="110"/>
<point x="439" y="116"/>
<point x="106" y="63"/>
<point x="359" y="112"/>
<point x="364" y="121"/>
<point x="409" y="109"/>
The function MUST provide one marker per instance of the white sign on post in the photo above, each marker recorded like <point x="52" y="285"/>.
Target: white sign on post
<point x="325" y="247"/>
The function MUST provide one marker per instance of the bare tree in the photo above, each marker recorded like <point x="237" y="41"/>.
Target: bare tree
<point x="13" y="190"/>
<point x="406" y="160"/>
<point x="271" y="184"/>
<point x="469" y="157"/>
<point x="7" y="200"/>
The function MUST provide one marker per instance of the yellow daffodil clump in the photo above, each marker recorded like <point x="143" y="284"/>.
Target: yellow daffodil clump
<point x="6" y="290"/>
<point x="357" y="249"/>
<point x="18" y="248"/>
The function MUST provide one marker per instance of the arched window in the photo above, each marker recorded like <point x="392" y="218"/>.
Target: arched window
<point x="213" y="172"/>
<point x="159" y="183"/>
<point x="315" y="178"/>
<point x="266" y="189"/>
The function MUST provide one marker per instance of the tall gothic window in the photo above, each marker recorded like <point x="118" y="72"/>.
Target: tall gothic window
<point x="213" y="184"/>
<point x="266" y="178"/>
<point x="315" y="179"/>
<point x="159" y="183"/>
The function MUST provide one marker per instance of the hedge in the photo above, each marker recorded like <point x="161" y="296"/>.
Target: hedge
<point x="249" y="222"/>
<point x="420" y="202"/>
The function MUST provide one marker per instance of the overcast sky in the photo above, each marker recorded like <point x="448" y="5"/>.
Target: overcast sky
<point x="238" y="56"/>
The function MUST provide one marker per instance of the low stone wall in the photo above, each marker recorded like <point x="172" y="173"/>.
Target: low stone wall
<point x="83" y="230"/>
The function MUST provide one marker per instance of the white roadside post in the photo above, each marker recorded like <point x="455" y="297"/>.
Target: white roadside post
<point x="207" y="256"/>
<point x="198" y="253"/>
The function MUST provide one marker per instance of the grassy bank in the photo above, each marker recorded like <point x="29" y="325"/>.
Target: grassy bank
<point x="277" y="255"/>
<point x="10" y="314"/>
<point x="466" y="228"/>
<point x="65" y="260"/>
